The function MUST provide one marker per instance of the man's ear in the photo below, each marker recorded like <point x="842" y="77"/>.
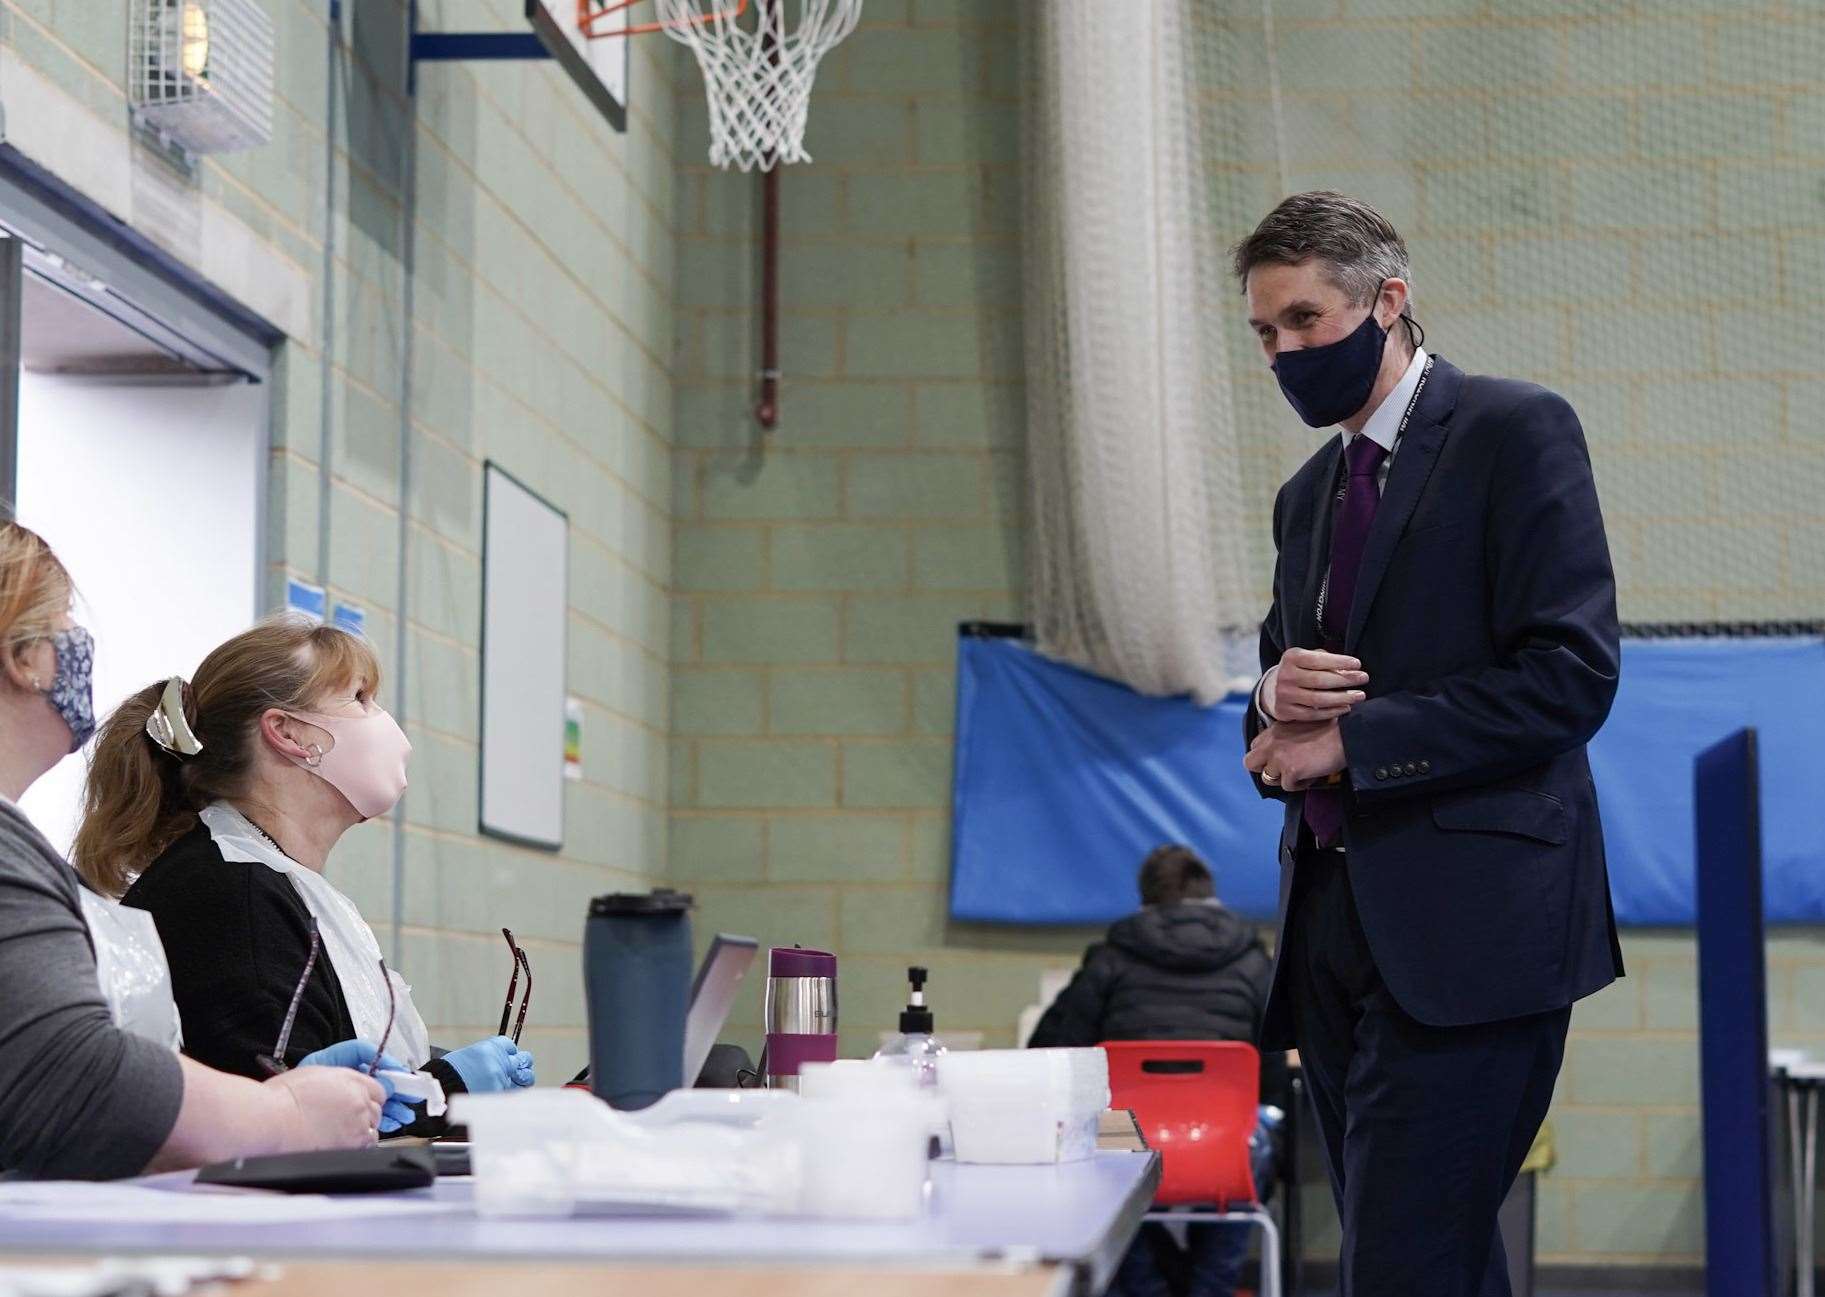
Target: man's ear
<point x="1393" y="300"/>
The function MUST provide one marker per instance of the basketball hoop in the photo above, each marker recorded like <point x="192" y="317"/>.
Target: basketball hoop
<point x="758" y="82"/>
<point x="592" y="15"/>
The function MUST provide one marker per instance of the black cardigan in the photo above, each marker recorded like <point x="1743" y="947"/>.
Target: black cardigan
<point x="236" y="934"/>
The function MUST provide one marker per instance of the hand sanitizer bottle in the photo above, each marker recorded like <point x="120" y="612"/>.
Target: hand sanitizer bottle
<point x="915" y="1046"/>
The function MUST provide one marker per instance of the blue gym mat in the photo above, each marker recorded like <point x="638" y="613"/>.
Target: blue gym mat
<point x="1065" y="780"/>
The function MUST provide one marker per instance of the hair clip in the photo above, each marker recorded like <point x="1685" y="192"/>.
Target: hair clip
<point x="168" y="727"/>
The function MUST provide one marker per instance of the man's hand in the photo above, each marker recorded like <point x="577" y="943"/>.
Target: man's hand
<point x="1312" y="685"/>
<point x="1295" y="756"/>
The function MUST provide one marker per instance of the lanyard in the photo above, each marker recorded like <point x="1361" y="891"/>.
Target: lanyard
<point x="1400" y="431"/>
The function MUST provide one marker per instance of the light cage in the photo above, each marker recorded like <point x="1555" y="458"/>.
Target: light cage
<point x="202" y="72"/>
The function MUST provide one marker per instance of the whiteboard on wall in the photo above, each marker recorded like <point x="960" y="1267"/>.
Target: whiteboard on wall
<point x="525" y="584"/>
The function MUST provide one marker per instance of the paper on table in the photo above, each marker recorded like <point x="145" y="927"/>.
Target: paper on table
<point x="80" y="1201"/>
<point x="167" y="1276"/>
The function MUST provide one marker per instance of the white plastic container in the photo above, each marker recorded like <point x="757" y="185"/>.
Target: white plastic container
<point x="863" y="1130"/>
<point x="524" y="1154"/>
<point x="1025" y="1105"/>
<point x="554" y="1152"/>
<point x="879" y="1081"/>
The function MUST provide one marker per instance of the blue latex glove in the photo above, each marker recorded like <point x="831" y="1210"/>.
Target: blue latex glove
<point x="395" y="1112"/>
<point x="492" y="1064"/>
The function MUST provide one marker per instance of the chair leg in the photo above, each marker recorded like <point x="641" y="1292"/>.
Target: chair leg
<point x="1270" y="1251"/>
<point x="1258" y="1216"/>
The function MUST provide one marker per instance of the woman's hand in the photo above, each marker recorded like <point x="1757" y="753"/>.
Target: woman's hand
<point x="396" y="1112"/>
<point x="495" y="1063"/>
<point x="325" y="1107"/>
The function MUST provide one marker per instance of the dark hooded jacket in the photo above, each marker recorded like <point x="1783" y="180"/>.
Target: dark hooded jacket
<point x="1191" y="971"/>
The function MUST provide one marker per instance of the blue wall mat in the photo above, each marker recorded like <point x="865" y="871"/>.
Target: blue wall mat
<point x="1678" y="698"/>
<point x="1065" y="780"/>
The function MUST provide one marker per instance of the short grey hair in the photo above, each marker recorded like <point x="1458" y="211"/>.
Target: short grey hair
<point x="1357" y="244"/>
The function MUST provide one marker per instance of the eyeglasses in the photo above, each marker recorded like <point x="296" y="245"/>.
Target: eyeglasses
<point x="392" y="1008"/>
<point x="274" y="1063"/>
<point x="520" y="963"/>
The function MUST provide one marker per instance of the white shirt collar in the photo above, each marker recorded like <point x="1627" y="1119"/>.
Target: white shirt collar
<point x="1384" y="425"/>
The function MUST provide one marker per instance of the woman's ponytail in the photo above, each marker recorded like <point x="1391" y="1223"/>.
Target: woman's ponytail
<point x="134" y="804"/>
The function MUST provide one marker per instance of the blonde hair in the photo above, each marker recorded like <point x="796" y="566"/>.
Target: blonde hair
<point x="139" y="798"/>
<point x="35" y="588"/>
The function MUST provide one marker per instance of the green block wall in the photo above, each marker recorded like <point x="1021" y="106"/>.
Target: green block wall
<point x="822" y="568"/>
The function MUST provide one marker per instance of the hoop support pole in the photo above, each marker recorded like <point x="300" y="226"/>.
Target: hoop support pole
<point x="766" y="410"/>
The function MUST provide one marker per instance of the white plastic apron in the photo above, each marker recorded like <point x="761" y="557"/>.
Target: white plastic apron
<point x="348" y="942"/>
<point x="130" y="965"/>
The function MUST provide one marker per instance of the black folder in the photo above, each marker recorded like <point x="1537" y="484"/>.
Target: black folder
<point x="355" y="1170"/>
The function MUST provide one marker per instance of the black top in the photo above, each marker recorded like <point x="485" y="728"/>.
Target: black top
<point x="1192" y="971"/>
<point x="237" y="934"/>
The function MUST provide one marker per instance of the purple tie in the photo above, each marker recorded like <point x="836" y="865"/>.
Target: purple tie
<point x="1349" y="534"/>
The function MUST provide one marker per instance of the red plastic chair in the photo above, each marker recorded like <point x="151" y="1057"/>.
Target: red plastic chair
<point x="1195" y="1102"/>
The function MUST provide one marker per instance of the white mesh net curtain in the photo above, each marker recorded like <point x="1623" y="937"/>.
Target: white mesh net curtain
<point x="1138" y="565"/>
<point x="1623" y="203"/>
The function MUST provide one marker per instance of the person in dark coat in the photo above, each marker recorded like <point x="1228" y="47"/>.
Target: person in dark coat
<point x="1182" y="967"/>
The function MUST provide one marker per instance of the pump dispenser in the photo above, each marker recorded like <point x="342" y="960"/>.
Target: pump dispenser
<point x="916" y="1017"/>
<point x="915" y="1046"/>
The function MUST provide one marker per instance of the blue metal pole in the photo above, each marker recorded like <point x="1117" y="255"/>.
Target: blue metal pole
<point x="1733" y="1022"/>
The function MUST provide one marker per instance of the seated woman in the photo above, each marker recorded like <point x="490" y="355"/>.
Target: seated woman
<point x="215" y="806"/>
<point x="81" y="1096"/>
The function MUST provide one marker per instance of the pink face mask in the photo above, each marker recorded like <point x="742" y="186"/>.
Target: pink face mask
<point x="367" y="763"/>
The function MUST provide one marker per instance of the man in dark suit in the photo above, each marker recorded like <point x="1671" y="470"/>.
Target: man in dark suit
<point x="1441" y="645"/>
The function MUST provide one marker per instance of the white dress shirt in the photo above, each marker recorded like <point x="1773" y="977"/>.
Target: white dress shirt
<point x="1383" y="428"/>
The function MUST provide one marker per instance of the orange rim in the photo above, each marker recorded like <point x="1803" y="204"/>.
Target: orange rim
<point x="588" y="18"/>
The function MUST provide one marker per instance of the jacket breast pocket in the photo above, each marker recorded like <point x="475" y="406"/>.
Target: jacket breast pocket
<point x="1517" y="812"/>
<point x="1438" y="533"/>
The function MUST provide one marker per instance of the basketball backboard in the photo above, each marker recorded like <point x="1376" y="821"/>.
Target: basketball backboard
<point x="599" y="67"/>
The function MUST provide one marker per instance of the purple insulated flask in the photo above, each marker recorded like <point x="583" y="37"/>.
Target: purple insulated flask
<point x="800" y="1012"/>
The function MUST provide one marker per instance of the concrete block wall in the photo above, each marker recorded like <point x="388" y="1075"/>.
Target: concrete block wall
<point x="822" y="568"/>
<point x="542" y="302"/>
<point x="1591" y="192"/>
<point x="538" y="335"/>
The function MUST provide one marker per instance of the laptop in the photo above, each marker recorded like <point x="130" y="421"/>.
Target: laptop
<point x="725" y="964"/>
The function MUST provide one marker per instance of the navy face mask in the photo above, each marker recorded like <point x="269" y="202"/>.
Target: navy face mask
<point x="70" y="687"/>
<point x="1328" y="384"/>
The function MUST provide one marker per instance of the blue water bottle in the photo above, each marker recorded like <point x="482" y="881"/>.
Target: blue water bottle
<point x="637" y="977"/>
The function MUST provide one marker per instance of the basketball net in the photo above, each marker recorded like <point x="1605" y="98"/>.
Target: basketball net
<point x="758" y="81"/>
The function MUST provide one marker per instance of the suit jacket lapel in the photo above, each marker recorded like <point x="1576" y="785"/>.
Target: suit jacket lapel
<point x="1318" y="554"/>
<point x="1407" y="476"/>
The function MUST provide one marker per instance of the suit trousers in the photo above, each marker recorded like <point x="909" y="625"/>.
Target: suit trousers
<point x="1424" y="1128"/>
